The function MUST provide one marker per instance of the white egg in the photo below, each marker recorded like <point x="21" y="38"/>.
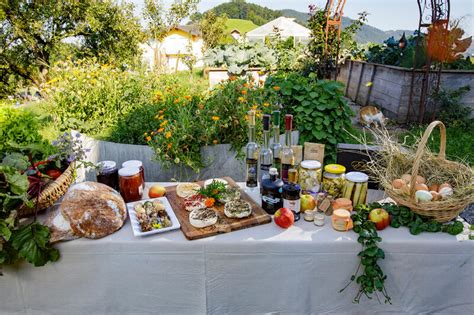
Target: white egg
<point x="446" y="192"/>
<point x="423" y="196"/>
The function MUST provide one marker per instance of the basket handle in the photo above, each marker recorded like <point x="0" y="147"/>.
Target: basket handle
<point x="421" y="149"/>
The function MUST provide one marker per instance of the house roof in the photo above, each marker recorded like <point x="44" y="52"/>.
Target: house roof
<point x="286" y="26"/>
<point x="191" y="29"/>
<point x="235" y="31"/>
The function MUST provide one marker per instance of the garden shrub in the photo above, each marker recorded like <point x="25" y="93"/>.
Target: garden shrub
<point x="321" y="111"/>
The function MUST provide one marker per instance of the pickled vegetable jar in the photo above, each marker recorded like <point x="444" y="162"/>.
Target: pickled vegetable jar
<point x="309" y="177"/>
<point x="333" y="179"/>
<point x="131" y="183"/>
<point x="355" y="187"/>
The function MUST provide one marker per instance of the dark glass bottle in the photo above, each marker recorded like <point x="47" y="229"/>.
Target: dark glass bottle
<point x="291" y="194"/>
<point x="271" y="192"/>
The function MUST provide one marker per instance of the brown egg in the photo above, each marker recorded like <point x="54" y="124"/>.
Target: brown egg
<point x="434" y="187"/>
<point x="421" y="187"/>
<point x="420" y="179"/>
<point x="435" y="195"/>
<point x="398" y="183"/>
<point x="406" y="178"/>
<point x="443" y="186"/>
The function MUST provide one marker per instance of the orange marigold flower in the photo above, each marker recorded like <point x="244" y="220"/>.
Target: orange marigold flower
<point x="244" y="92"/>
<point x="276" y="88"/>
<point x="148" y="138"/>
<point x="232" y="78"/>
<point x="246" y="85"/>
<point x="176" y="101"/>
<point x="215" y="118"/>
<point x="170" y="145"/>
<point x="188" y="97"/>
<point x="164" y="123"/>
<point x="160" y="130"/>
<point x="209" y="202"/>
<point x="161" y="112"/>
<point x="168" y="135"/>
<point x="215" y="141"/>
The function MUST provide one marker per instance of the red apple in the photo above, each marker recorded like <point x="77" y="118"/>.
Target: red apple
<point x="284" y="218"/>
<point x="380" y="217"/>
<point x="156" y="191"/>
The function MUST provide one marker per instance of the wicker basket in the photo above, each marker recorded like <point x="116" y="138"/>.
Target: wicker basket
<point x="51" y="193"/>
<point x="443" y="210"/>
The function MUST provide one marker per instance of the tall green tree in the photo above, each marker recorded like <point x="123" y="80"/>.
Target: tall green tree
<point x="161" y="20"/>
<point x="212" y="28"/>
<point x="32" y="33"/>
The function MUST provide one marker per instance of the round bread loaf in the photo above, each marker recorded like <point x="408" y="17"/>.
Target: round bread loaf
<point x="94" y="210"/>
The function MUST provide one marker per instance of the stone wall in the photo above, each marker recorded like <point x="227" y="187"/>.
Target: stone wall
<point x="388" y="87"/>
<point x="220" y="161"/>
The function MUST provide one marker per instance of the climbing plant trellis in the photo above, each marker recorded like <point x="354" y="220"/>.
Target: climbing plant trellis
<point x="334" y="11"/>
<point x="426" y="80"/>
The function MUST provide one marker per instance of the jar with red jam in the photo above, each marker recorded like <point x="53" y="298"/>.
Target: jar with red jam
<point x="131" y="184"/>
<point x="107" y="173"/>
<point x="139" y="165"/>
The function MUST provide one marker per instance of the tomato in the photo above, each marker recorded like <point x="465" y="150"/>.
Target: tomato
<point x="53" y="173"/>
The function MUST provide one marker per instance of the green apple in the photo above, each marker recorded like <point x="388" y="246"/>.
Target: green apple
<point x="380" y="217"/>
<point x="307" y="202"/>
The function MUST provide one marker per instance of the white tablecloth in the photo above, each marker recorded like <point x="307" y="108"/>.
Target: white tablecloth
<point x="263" y="269"/>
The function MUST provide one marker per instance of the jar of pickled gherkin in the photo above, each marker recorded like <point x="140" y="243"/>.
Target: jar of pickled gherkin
<point x="355" y="187"/>
<point x="309" y="176"/>
<point x="333" y="179"/>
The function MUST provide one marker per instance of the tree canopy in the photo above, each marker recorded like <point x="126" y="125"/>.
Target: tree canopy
<point x="34" y="33"/>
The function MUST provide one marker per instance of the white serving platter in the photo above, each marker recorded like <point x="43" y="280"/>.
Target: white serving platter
<point x="136" y="226"/>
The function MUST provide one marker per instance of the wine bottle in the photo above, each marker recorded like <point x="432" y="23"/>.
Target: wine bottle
<point x="266" y="155"/>
<point x="287" y="155"/>
<point x="251" y="154"/>
<point x="276" y="145"/>
<point x="271" y="192"/>
<point x="291" y="194"/>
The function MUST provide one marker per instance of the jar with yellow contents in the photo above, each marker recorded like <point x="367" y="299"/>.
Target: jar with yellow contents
<point x="333" y="179"/>
<point x="309" y="176"/>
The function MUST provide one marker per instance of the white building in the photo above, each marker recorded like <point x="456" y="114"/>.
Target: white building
<point x="286" y="27"/>
<point x="180" y="41"/>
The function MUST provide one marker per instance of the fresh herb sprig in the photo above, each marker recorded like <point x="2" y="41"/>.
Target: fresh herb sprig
<point x="213" y="190"/>
<point x="368" y="275"/>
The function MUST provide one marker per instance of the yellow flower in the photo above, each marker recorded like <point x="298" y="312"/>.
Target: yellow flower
<point x="168" y="135"/>
<point x="276" y="88"/>
<point x="244" y="92"/>
<point x="148" y="138"/>
<point x="159" y="96"/>
<point x="164" y="123"/>
<point x="215" y="141"/>
<point x="188" y="97"/>
<point x="161" y="117"/>
<point x="160" y="130"/>
<point x="152" y="133"/>
<point x="215" y="118"/>
<point x="241" y="99"/>
<point x="266" y="104"/>
<point x="145" y="134"/>
<point x="254" y="107"/>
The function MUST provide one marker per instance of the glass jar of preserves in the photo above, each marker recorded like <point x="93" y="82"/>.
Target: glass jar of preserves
<point x="355" y="187"/>
<point x="107" y="173"/>
<point x="131" y="184"/>
<point x="139" y="165"/>
<point x="333" y="179"/>
<point x="309" y="177"/>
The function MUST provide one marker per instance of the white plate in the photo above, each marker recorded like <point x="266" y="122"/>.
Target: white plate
<point x="137" y="231"/>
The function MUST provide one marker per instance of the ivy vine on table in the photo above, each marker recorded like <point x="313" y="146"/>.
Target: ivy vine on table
<point x="369" y="275"/>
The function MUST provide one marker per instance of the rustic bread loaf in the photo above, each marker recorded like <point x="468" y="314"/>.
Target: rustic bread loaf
<point x="93" y="210"/>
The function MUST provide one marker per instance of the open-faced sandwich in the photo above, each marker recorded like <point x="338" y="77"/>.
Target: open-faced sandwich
<point x="152" y="215"/>
<point x="185" y="190"/>
<point x="202" y="218"/>
<point x="195" y="202"/>
<point x="230" y="194"/>
<point x="237" y="209"/>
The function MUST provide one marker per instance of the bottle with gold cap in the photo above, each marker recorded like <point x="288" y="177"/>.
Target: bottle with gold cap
<point x="291" y="194"/>
<point x="251" y="154"/>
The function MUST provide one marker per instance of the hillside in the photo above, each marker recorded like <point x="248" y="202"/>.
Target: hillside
<point x="243" y="26"/>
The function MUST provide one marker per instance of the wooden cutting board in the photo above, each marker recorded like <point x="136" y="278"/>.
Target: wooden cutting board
<point x="224" y="224"/>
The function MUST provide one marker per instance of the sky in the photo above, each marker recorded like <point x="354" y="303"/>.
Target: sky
<point x="383" y="14"/>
